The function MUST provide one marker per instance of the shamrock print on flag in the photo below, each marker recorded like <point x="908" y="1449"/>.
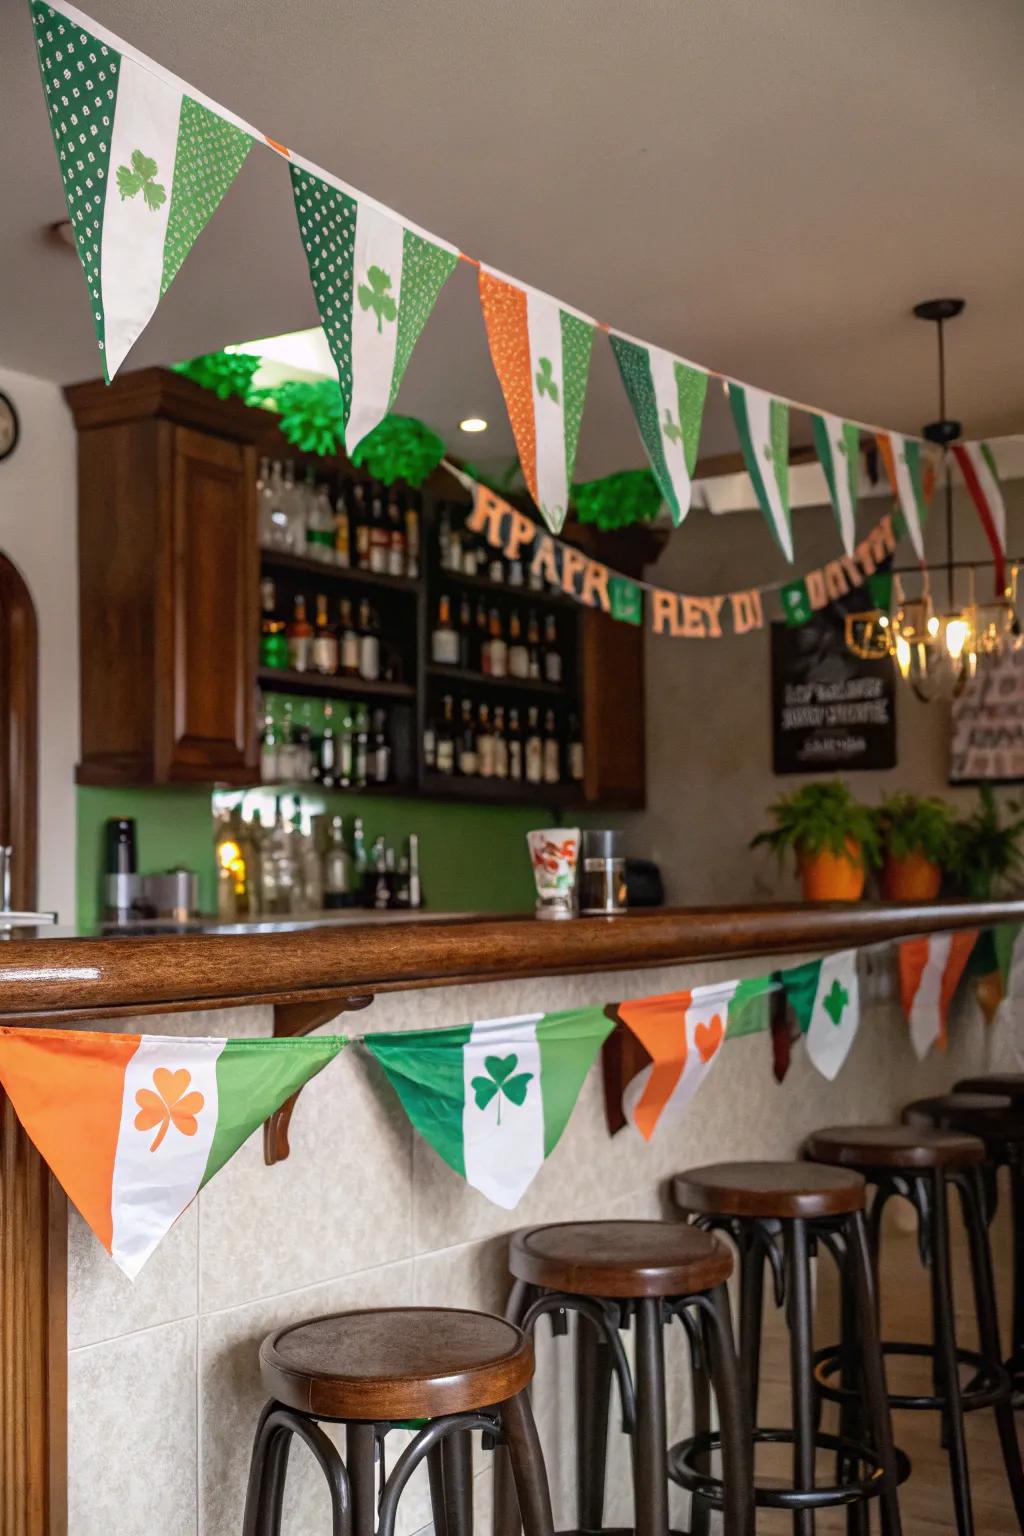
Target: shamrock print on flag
<point x="500" y="1083"/>
<point x="667" y="396"/>
<point x="373" y="294"/>
<point x="168" y="1103"/>
<point x="546" y="380"/>
<point x="836" y="1001"/>
<point x="824" y="997"/>
<point x="139" y="177"/>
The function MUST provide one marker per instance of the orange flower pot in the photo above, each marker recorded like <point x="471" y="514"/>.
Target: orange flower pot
<point x="910" y="878"/>
<point x="833" y="876"/>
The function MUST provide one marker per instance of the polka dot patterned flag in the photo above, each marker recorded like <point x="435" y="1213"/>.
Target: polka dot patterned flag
<point x="667" y="396"/>
<point x="541" y="353"/>
<point x="762" y="422"/>
<point x="144" y="168"/>
<point x="376" y="283"/>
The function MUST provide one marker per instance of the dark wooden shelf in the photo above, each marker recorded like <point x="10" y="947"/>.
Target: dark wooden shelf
<point x="546" y="596"/>
<point x="284" y="680"/>
<point x="311" y="787"/>
<point x="441" y="786"/>
<point x="485" y="680"/>
<point x="281" y="560"/>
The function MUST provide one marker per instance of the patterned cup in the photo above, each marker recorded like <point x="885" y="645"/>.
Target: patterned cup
<point x="554" y="854"/>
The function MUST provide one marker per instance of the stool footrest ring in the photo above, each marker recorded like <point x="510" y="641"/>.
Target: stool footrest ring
<point x="990" y="1383"/>
<point x="682" y="1471"/>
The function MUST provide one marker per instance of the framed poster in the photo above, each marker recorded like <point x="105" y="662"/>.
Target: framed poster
<point x="988" y="725"/>
<point x="831" y="712"/>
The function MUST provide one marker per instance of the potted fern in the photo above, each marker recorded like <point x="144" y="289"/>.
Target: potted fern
<point x="834" y="840"/>
<point x="987" y="854"/>
<point x="918" y="838"/>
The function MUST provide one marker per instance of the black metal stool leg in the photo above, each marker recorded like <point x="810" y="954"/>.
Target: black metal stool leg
<point x="751" y="1319"/>
<point x="457" y="1464"/>
<point x="435" y="1476"/>
<point x="859" y="1261"/>
<point x="733" y="1417"/>
<point x="945" y="1355"/>
<point x="527" y="1464"/>
<point x="650" y="1439"/>
<point x="593" y="1392"/>
<point x="851" y="1343"/>
<point x="265" y="1492"/>
<point x="359" y="1448"/>
<point x="1016" y="1170"/>
<point x="801" y="1368"/>
<point x="698" y="1331"/>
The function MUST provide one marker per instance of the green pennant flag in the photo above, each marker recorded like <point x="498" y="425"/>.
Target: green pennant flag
<point x="796" y="603"/>
<point x="667" y="396"/>
<point x="762" y="422"/>
<point x="824" y="996"/>
<point x="627" y="600"/>
<point x="838" y="442"/>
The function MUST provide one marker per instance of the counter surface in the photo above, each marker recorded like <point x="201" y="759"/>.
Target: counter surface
<point x="49" y="976"/>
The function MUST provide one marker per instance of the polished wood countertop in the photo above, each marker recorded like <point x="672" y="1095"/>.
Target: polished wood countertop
<point x="52" y="977"/>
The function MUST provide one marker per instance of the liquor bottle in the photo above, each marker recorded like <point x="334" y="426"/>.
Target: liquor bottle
<point x="518" y="655"/>
<point x="445" y="753"/>
<point x="328" y="754"/>
<point x="325" y="640"/>
<point x="254" y="829"/>
<point x="300" y="637"/>
<point x="309" y="887"/>
<point x="412" y="845"/>
<point x="455" y="557"/>
<point x="500" y="744"/>
<point x="470" y="557"/>
<point x="498" y="646"/>
<point x="349" y="646"/>
<point x="552" y="655"/>
<point x="380" y="756"/>
<point x="369" y="643"/>
<point x="444" y="538"/>
<point x="468" y="761"/>
<point x="268" y="750"/>
<point x="295" y="512"/>
<point x="273" y="640"/>
<point x="360" y="763"/>
<point x="382" y="864"/>
<point x="535" y="581"/>
<point x="483" y="642"/>
<point x="575" y="751"/>
<point x="304" y="743"/>
<point x="533" y="647"/>
<point x="485" y="745"/>
<point x="360" y="527"/>
<point x="515" y="747"/>
<point x="287" y="756"/>
<point x="276" y="516"/>
<point x="412" y="540"/>
<point x="342" y="535"/>
<point x="338" y="871"/>
<point x="496" y="570"/>
<point x="360" y="863"/>
<point x="515" y="573"/>
<point x="552" y="750"/>
<point x="534" y="752"/>
<point x="444" y="642"/>
<point x="346" y="748"/>
<point x="430" y="746"/>
<point x="264" y="506"/>
<point x="378" y="534"/>
<point x="396" y="538"/>
<point x="319" y="525"/>
<point x="465" y="634"/>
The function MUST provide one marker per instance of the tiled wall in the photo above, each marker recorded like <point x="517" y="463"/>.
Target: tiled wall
<point x="163" y="1379"/>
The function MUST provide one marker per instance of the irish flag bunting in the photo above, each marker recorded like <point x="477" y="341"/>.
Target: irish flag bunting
<point x="930" y="969"/>
<point x="978" y="466"/>
<point x="541" y="354"/>
<point x="493" y="1097"/>
<point x="905" y="466"/>
<point x="133" y="1126"/>
<point x="144" y="167"/>
<point x="824" y="996"/>
<point x="376" y="282"/>
<point x="837" y="443"/>
<point x="763" y="426"/>
<point x="667" y="396"/>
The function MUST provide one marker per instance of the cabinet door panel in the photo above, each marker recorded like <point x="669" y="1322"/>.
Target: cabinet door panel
<point x="613" y="711"/>
<point x="212" y="608"/>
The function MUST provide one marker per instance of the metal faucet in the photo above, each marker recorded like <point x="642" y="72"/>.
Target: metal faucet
<point x="8" y="918"/>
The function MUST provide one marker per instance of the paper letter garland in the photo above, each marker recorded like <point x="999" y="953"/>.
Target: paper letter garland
<point x="541" y="354"/>
<point x="763" y="425"/>
<point x="930" y="969"/>
<point x="837" y="443"/>
<point x="133" y="1126"/>
<point x="667" y="396"/>
<point x="978" y="467"/>
<point x="144" y="168"/>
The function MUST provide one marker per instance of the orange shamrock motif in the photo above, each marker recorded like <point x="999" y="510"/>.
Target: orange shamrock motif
<point x="171" y="1104"/>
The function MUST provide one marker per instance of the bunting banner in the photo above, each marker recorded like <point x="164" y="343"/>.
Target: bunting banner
<point x="493" y="1097"/>
<point x="762" y="422"/>
<point x="977" y="464"/>
<point x="905" y="466"/>
<point x="824" y="996"/>
<point x="144" y="167"/>
<point x="376" y="283"/>
<point x="541" y="354"/>
<point x="133" y="1126"/>
<point x="930" y="969"/>
<point x="667" y="396"/>
<point x="837" y="443"/>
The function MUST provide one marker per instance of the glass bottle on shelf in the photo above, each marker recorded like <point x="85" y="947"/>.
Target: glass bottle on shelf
<point x="300" y="637"/>
<point x="361" y="753"/>
<point x="369" y="643"/>
<point x="498" y="646"/>
<point x="444" y="642"/>
<point x="484" y="744"/>
<point x="396" y="538"/>
<point x="328" y="750"/>
<point x="412" y="539"/>
<point x="470" y="557"/>
<point x="552" y="750"/>
<point x="269" y="768"/>
<point x="349" y="640"/>
<point x="518" y="655"/>
<point x="515" y="573"/>
<point x="286" y="751"/>
<point x="534" y="748"/>
<point x="320" y="527"/>
<point x="325" y="640"/>
<point x="515" y="747"/>
<point x="468" y="761"/>
<point x="445" y="751"/>
<point x="378" y="534"/>
<point x="360" y="863"/>
<point x="533" y="647"/>
<point x="575" y="750"/>
<point x="304" y="749"/>
<point x="280" y="870"/>
<point x="273" y="640"/>
<point x="299" y="851"/>
<point x="342" y="534"/>
<point x="264" y="506"/>
<point x="465" y="634"/>
<point x="534" y="580"/>
<point x="380" y="755"/>
<point x="412" y="844"/>
<point x="295" y="512"/>
<point x="455" y="554"/>
<point x="483" y="639"/>
<point x="496" y="570"/>
<point x="346" y="748"/>
<point x="277" y="512"/>
<point x="444" y="538"/>
<point x="552" y="655"/>
<point x="338" y="872"/>
<point x="254" y="828"/>
<point x="360" y="528"/>
<point x="500" y="744"/>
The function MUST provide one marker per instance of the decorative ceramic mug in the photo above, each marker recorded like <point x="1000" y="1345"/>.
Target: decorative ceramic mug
<point x="554" y="854"/>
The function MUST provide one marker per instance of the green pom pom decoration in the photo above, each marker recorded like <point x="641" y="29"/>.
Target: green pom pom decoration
<point x="616" y="501"/>
<point x="400" y="448"/>
<point x="227" y="374"/>
<point x="312" y="416"/>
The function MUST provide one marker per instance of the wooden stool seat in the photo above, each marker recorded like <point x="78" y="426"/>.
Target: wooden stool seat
<point x="620" y="1258"/>
<point x="985" y="1115"/>
<point x="893" y="1146"/>
<point x="396" y="1363"/>
<point x="1007" y="1084"/>
<point x="786" y="1191"/>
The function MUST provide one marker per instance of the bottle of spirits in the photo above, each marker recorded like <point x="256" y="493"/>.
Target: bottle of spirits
<point x="346" y="749"/>
<point x="328" y="755"/>
<point x="269" y="771"/>
<point x="498" y="646"/>
<point x="360" y="863"/>
<point x="277" y="516"/>
<point x="360" y="527"/>
<point x="304" y="754"/>
<point x="496" y="570"/>
<point x="361" y="760"/>
<point x="325" y="640"/>
<point x="485" y="744"/>
<point x="349" y="645"/>
<point x="338" y="871"/>
<point x="515" y="747"/>
<point x="342" y="535"/>
<point x="533" y="647"/>
<point x="319" y="525"/>
<point x="535" y="581"/>
<point x="380" y="756"/>
<point x="552" y="750"/>
<point x="575" y="751"/>
<point x="273" y="640"/>
<point x="378" y="534"/>
<point x="470" y="557"/>
<point x="369" y="643"/>
<point x="430" y="746"/>
<point x="295" y="512"/>
<point x="500" y="744"/>
<point x="412" y="540"/>
<point x="515" y="573"/>
<point x="518" y="655"/>
<point x="300" y="637"/>
<point x="444" y="539"/>
<point x="483" y="640"/>
<point x="465" y="633"/>
<point x="534" y="753"/>
<point x="287" y="757"/>
<point x="382" y="864"/>
<point x="444" y="642"/>
<point x="468" y="762"/>
<point x="455" y="560"/>
<point x="552" y="655"/>
<point x="264" y="506"/>
<point x="396" y="538"/>
<point x="445" y="754"/>
<point x="412" y="846"/>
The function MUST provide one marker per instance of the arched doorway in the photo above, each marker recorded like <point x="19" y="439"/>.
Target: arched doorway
<point x="19" y="732"/>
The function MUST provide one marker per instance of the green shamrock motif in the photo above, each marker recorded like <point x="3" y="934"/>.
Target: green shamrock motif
<point x="139" y="177"/>
<point x="373" y="294"/>
<point x="835" y="1002"/>
<point x="672" y="430"/>
<point x="500" y="1083"/>
<point x="545" y="377"/>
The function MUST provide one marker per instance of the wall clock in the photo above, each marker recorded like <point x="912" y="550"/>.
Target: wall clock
<point x="8" y="427"/>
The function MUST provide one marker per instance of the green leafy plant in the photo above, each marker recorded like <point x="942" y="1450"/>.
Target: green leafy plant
<point x="822" y="818"/>
<point x="139" y="177"/>
<point x="988" y="857"/>
<point x="917" y="824"/>
<point x="373" y="294"/>
<point x="616" y="501"/>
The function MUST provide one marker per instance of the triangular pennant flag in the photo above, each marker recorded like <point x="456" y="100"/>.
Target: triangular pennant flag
<point x="905" y="465"/>
<point x="133" y="1126"/>
<point x="1005" y="938"/>
<point x="626" y="599"/>
<point x="978" y="467"/>
<point x="796" y="603"/>
<point x="376" y="282"/>
<point x="144" y="168"/>
<point x="667" y="396"/>
<point x="541" y="354"/>
<point x="837" y="443"/>
<point x="493" y="1097"/>
<point x="825" y="998"/>
<point x="763" y="426"/>
<point x="930" y="969"/>
<point x="683" y="1034"/>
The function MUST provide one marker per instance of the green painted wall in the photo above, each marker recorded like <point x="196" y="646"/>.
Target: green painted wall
<point x="472" y="857"/>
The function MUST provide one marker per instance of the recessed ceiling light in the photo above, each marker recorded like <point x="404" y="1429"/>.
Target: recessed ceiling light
<point x="473" y="424"/>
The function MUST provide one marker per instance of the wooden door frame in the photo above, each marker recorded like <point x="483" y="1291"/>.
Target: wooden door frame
<point x="19" y="731"/>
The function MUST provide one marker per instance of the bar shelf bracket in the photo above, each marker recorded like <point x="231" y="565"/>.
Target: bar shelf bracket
<point x="290" y="1020"/>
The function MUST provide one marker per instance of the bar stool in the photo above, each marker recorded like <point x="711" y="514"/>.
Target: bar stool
<point x="782" y="1213"/>
<point x="374" y="1371"/>
<point x="612" y="1274"/>
<point x="921" y="1164"/>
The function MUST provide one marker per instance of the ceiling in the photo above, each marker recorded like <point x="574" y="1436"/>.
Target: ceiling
<point x="766" y="188"/>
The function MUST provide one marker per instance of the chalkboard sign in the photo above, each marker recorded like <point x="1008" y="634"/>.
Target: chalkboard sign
<point x="988" y="725"/>
<point x="831" y="712"/>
